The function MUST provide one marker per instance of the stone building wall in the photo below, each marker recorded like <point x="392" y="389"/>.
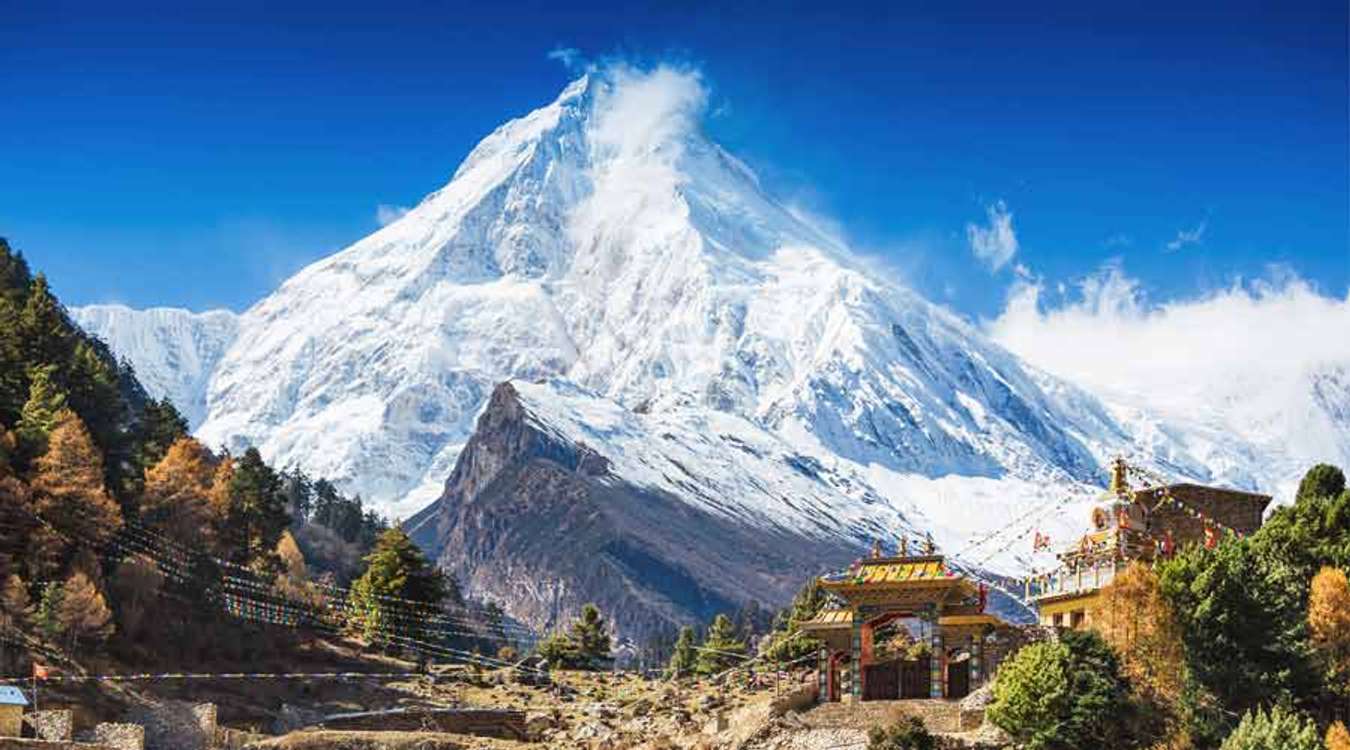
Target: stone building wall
<point x="1240" y="511"/>
<point x="55" y="725"/>
<point x="120" y="736"/>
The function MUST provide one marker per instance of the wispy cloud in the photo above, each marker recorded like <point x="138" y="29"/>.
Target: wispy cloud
<point x="996" y="243"/>
<point x="387" y="214"/>
<point x="570" y="57"/>
<point x="1186" y="237"/>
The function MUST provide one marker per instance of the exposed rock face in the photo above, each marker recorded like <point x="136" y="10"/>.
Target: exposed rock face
<point x="542" y="524"/>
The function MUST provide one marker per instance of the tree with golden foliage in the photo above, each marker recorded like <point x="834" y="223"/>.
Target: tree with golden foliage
<point x="177" y="498"/>
<point x="69" y="495"/>
<point x="1329" y="624"/>
<point x="1136" y="620"/>
<point x="1338" y="737"/>
<point x="83" y="613"/>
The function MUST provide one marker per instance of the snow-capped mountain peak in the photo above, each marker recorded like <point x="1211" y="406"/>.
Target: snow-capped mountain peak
<point x="605" y="244"/>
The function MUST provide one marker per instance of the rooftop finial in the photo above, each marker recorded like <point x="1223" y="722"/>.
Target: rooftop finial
<point x="1120" y="485"/>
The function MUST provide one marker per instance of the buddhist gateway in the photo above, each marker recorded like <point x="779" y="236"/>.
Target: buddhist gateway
<point x="912" y="627"/>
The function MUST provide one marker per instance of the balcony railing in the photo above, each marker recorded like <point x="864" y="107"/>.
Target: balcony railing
<point x="1079" y="579"/>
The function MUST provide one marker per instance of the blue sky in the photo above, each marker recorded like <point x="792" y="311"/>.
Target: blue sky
<point x="196" y="156"/>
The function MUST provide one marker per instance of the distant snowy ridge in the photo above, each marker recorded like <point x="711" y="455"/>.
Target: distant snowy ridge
<point x="174" y="352"/>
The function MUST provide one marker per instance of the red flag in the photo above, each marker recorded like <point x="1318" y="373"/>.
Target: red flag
<point x="41" y="671"/>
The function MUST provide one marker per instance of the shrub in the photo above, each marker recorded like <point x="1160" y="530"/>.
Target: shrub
<point x="1070" y="695"/>
<point x="1279" y="729"/>
<point x="908" y="734"/>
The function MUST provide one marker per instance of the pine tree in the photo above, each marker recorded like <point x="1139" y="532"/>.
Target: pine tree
<point x="685" y="657"/>
<point x="15" y="275"/>
<point x="255" y="515"/>
<point x="13" y="382"/>
<point x="177" y="495"/>
<point x="720" y="649"/>
<point x="1321" y="481"/>
<point x="46" y="616"/>
<point x="591" y="637"/>
<point x="93" y="392"/>
<point x="159" y="427"/>
<point x="1281" y="728"/>
<point x="44" y="329"/>
<point x="69" y="494"/>
<point x="83" y="613"/>
<point x="38" y="417"/>
<point x="395" y="569"/>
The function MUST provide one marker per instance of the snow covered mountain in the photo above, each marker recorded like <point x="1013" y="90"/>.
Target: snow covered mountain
<point x="705" y="341"/>
<point x="174" y="351"/>
<point x="604" y="239"/>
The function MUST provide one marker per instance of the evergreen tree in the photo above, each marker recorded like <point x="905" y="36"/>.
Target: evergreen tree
<point x="69" y="495"/>
<point x="559" y="651"/>
<point x="590" y="635"/>
<point x="298" y="490"/>
<point x="685" y="657"/>
<point x="1244" y="646"/>
<point x="1069" y="695"/>
<point x="720" y="649"/>
<point x="14" y="275"/>
<point x="1279" y="729"/>
<point x="255" y="515"/>
<point x="83" y="614"/>
<point x="177" y="494"/>
<point x="94" y="393"/>
<point x="46" y="617"/>
<point x="39" y="414"/>
<point x="395" y="569"/>
<point x="1322" y="480"/>
<point x="159" y="427"/>
<point x="788" y="642"/>
<point x="13" y="381"/>
<point x="44" y="329"/>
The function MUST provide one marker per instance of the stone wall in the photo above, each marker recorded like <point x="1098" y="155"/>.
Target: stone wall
<point x="1240" y="511"/>
<point x="120" y="736"/>
<point x="177" y="725"/>
<point x="56" y="725"/>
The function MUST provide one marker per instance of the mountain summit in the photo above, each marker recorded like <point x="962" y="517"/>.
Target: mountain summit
<point x="604" y="239"/>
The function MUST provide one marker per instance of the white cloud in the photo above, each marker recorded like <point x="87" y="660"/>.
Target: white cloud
<point x="643" y="111"/>
<point x="1261" y="359"/>
<point x="570" y="57"/>
<point x="1186" y="237"/>
<point x="995" y="244"/>
<point x="386" y="214"/>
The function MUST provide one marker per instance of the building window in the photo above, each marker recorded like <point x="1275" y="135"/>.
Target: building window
<point x="1076" y="619"/>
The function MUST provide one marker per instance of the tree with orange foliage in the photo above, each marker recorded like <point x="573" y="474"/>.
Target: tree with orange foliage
<point x="1338" y="737"/>
<point x="69" y="495"/>
<point x="1329" y="624"/>
<point x="177" y="497"/>
<point x="1136" y="620"/>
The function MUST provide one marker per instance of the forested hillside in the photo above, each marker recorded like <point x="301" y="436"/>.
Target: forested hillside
<point x="123" y="536"/>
